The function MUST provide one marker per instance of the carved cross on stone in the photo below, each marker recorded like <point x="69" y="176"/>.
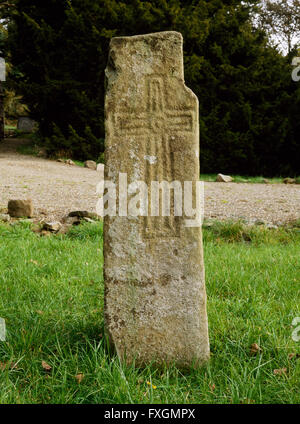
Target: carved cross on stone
<point x="157" y="118"/>
<point x="160" y="124"/>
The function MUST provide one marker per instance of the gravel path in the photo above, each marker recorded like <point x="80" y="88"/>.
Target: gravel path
<point x="270" y="203"/>
<point x="54" y="187"/>
<point x="57" y="188"/>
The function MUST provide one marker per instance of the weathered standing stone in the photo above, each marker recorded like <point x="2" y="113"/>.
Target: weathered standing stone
<point x="155" y="299"/>
<point x="26" y="124"/>
<point x="20" y="208"/>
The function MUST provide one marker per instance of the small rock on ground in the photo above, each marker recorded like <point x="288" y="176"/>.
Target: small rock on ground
<point x="90" y="164"/>
<point x="54" y="227"/>
<point x="20" y="208"/>
<point x="224" y="178"/>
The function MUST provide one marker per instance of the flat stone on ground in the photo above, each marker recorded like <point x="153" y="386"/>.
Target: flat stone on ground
<point x="20" y="208"/>
<point x="224" y="178"/>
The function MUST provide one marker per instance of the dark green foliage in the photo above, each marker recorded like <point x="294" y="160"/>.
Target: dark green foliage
<point x="248" y="103"/>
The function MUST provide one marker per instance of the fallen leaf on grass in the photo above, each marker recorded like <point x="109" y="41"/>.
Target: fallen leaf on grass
<point x="280" y="371"/>
<point x="8" y="365"/>
<point x="46" y="366"/>
<point x="255" y="349"/>
<point x="79" y="377"/>
<point x="294" y="355"/>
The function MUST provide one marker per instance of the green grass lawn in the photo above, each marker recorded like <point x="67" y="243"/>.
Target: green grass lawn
<point x="10" y="127"/>
<point x="52" y="301"/>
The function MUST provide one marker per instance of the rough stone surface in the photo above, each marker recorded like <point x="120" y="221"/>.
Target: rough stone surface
<point x="20" y="208"/>
<point x="224" y="178"/>
<point x="70" y="162"/>
<point x="71" y="220"/>
<point x="289" y="181"/>
<point x="155" y="299"/>
<point x="54" y="227"/>
<point x="90" y="164"/>
<point x="83" y="214"/>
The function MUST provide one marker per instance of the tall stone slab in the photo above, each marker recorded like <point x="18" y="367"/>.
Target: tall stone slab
<point x="155" y="299"/>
